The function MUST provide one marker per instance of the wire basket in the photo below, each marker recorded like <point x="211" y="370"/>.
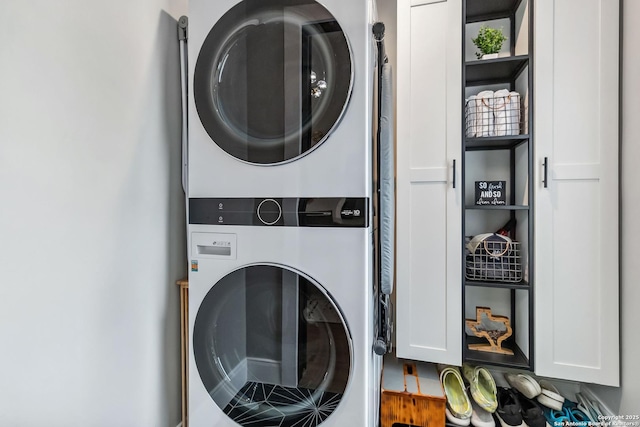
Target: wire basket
<point x="494" y="259"/>
<point x="492" y="114"/>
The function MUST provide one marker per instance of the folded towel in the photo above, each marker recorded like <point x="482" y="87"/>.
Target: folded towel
<point x="500" y="113"/>
<point x="471" y="126"/>
<point x="513" y="110"/>
<point x="484" y="114"/>
<point x="506" y="112"/>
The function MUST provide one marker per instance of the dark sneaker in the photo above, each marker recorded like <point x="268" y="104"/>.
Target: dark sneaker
<point x="531" y="413"/>
<point x="508" y="411"/>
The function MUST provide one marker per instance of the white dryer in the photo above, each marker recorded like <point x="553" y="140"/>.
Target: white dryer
<point x="281" y="314"/>
<point x="280" y="97"/>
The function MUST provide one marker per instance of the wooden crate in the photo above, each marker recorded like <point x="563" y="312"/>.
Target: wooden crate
<point x="411" y="394"/>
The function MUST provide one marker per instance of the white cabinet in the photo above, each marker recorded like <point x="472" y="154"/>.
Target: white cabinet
<point x="575" y="186"/>
<point x="576" y="218"/>
<point x="428" y="291"/>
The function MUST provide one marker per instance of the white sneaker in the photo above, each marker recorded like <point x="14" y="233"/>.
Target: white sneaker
<point x="550" y="396"/>
<point x="481" y="417"/>
<point x="455" y="420"/>
<point x="525" y="384"/>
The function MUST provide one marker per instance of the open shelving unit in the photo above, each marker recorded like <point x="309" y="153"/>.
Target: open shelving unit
<point x="506" y="158"/>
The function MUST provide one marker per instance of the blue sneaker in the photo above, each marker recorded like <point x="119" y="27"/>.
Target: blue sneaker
<point x="556" y="418"/>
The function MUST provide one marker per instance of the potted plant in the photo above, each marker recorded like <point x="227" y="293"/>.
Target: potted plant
<point x="489" y="42"/>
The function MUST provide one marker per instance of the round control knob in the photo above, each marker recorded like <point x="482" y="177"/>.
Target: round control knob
<point x="269" y="211"/>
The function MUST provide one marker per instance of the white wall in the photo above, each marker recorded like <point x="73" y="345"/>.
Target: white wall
<point x="91" y="213"/>
<point x="626" y="400"/>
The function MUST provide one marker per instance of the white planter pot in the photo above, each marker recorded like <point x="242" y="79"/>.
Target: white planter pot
<point x="490" y="56"/>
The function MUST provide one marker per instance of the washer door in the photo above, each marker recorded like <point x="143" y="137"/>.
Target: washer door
<point x="272" y="348"/>
<point x="272" y="79"/>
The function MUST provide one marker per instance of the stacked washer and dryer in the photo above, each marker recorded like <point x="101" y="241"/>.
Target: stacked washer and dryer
<point x="279" y="167"/>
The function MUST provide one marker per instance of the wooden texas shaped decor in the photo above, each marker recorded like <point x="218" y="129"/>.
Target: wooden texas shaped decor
<point x="494" y="329"/>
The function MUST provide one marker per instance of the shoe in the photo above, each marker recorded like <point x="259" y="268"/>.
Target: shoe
<point x="548" y="385"/>
<point x="550" y="396"/>
<point x="556" y="418"/>
<point x="508" y="411"/>
<point x="458" y="402"/>
<point x="480" y="417"/>
<point x="455" y="420"/>
<point x="577" y="416"/>
<point x="482" y="386"/>
<point x="531" y="413"/>
<point x="589" y="408"/>
<point x="525" y="384"/>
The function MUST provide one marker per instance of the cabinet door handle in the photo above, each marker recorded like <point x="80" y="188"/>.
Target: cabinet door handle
<point x="545" y="176"/>
<point x="454" y="173"/>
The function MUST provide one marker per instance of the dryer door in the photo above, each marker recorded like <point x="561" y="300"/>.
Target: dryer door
<point x="273" y="77"/>
<point x="272" y="348"/>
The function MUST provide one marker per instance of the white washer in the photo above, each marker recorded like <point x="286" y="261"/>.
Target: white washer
<point x="281" y="317"/>
<point x="280" y="97"/>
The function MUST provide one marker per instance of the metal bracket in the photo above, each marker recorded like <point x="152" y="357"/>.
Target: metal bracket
<point x="183" y="23"/>
<point x="378" y="31"/>
<point x="383" y="342"/>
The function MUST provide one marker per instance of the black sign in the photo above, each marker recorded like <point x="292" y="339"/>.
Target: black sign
<point x="491" y="193"/>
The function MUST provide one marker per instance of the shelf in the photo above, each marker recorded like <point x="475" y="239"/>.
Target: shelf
<point x="502" y="285"/>
<point x="498" y="207"/>
<point x="495" y="142"/>
<point x="492" y="71"/>
<point x="485" y="10"/>
<point x="518" y="360"/>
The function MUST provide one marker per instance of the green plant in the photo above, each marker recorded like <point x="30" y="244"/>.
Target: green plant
<point x="489" y="40"/>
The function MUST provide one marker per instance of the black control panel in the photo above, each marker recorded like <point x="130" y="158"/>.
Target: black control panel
<point x="285" y="212"/>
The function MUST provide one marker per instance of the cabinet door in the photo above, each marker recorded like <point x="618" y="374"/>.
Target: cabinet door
<point x="429" y="308"/>
<point x="576" y="131"/>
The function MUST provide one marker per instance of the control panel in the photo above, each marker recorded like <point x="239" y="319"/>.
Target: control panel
<point x="285" y="212"/>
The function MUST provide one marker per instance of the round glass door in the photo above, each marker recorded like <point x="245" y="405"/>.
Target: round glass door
<point x="272" y="79"/>
<point x="272" y="348"/>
